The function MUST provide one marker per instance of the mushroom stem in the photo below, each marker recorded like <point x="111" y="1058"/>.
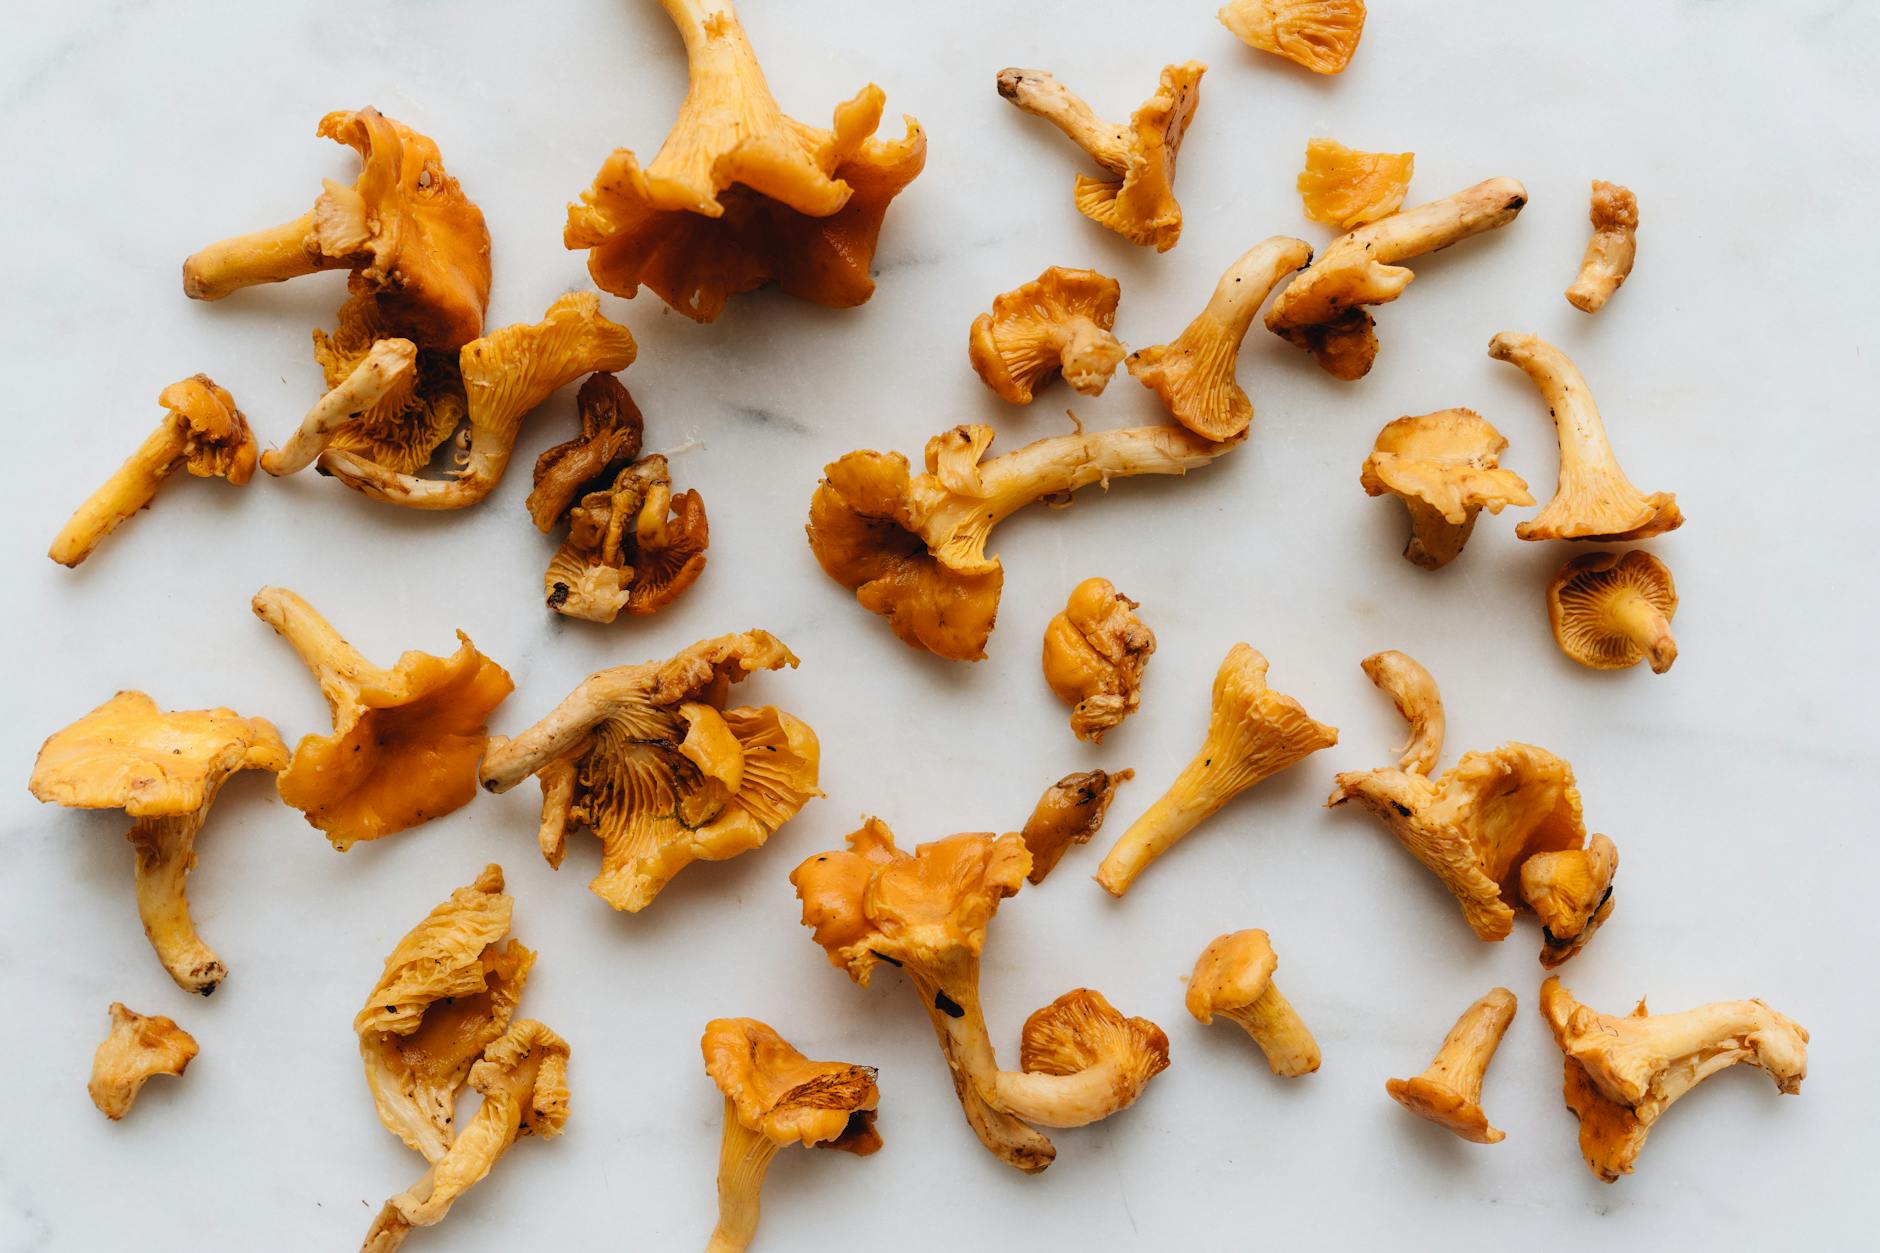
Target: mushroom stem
<point x="1455" y="1075"/>
<point x="743" y="1159"/>
<point x="130" y="487"/>
<point x="1188" y="801"/>
<point x="1640" y="621"/>
<point x="388" y="366"/>
<point x="166" y="852"/>
<point x="1040" y="94"/>
<point x="1087" y="354"/>
<point x="1412" y="689"/>
<point x="1074" y="1100"/>
<point x="1434" y="540"/>
<point x="268" y="256"/>
<point x="509" y="761"/>
<point x="1436" y="225"/>
<point x="1279" y="1031"/>
<point x="338" y="666"/>
<point x="1582" y="432"/>
<point x="1244" y="287"/>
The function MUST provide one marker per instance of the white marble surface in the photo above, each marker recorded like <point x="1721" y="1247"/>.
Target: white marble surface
<point x="1736" y="368"/>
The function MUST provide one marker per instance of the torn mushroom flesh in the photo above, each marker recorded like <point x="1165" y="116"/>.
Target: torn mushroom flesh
<point x="1444" y="467"/>
<point x="1095" y="652"/>
<point x="138" y="1047"/>
<point x="1318" y="34"/>
<point x="1571" y="893"/>
<point x="1612" y="249"/>
<point x="1346" y="188"/>
<point x="1070" y="812"/>
<point x="1059" y="323"/>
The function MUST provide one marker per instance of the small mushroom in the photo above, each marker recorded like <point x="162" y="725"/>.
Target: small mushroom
<point x="1058" y="322"/>
<point x="405" y="741"/>
<point x="1449" y="1092"/>
<point x="1444" y="468"/>
<point x="138" y="1047"/>
<point x="1610" y="611"/>
<point x="1233" y="977"/>
<point x="1253" y="733"/>
<point x="1137" y="201"/>
<point x="385" y="378"/>
<point x="1593" y="499"/>
<point x="776" y="1097"/>
<point x="1318" y="34"/>
<point x="1322" y="310"/>
<point x="1094" y="654"/>
<point x="164" y="770"/>
<point x="1194" y="374"/>
<point x="1612" y="249"/>
<point x="1622" y="1074"/>
<point x="1412" y="689"/>
<point x="1346" y="188"/>
<point x="1571" y="892"/>
<point x="612" y="431"/>
<point x="203" y="432"/>
<point x="1081" y="1061"/>
<point x="1070" y="812"/>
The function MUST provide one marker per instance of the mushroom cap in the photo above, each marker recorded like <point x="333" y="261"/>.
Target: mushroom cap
<point x="833" y="889"/>
<point x="1021" y="343"/>
<point x="1140" y="205"/>
<point x="1345" y="187"/>
<point x="1443" y="1105"/>
<point x="1233" y="972"/>
<point x="1447" y="460"/>
<point x="622" y="550"/>
<point x="1318" y="34"/>
<point x="1253" y="731"/>
<point x="784" y="1096"/>
<point x="137" y="1047"/>
<point x="612" y="429"/>
<point x="513" y="369"/>
<point x="1082" y="1029"/>
<point x="1581" y="597"/>
<point x="217" y="441"/>
<point x="127" y="754"/>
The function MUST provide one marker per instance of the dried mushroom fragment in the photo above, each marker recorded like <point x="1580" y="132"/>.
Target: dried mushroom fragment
<point x="405" y="741"/>
<point x="913" y="547"/>
<point x="1593" y="499"/>
<point x="1070" y="812"/>
<point x="1449" y="1092"/>
<point x="1611" y="611"/>
<point x="740" y="195"/>
<point x="414" y="242"/>
<point x="1081" y="1061"/>
<point x="1233" y="977"/>
<point x="203" y="432"/>
<point x="523" y="1078"/>
<point x="1623" y="1073"/>
<point x="1413" y="691"/>
<point x="776" y="1097"/>
<point x="1057" y="323"/>
<point x="1571" y="893"/>
<point x="1137" y="200"/>
<point x="1444" y="467"/>
<point x="648" y="758"/>
<point x="1318" y="34"/>
<point x="1346" y="188"/>
<point x="1253" y="733"/>
<point x="1194" y="374"/>
<point x="612" y="432"/>
<point x="164" y="770"/>
<point x="1322" y="310"/>
<point x="138" y="1047"/>
<point x="1612" y="249"/>
<point x="1094" y="654"/>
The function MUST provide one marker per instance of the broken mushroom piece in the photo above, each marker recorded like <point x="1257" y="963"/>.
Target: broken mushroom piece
<point x="164" y="770"/>
<point x="612" y="432"/>
<point x="1449" y="1092"/>
<point x="1611" y="611"/>
<point x="913" y="547"/>
<point x="138" y="1047"/>
<point x="1322" y="310"/>
<point x="1444" y="468"/>
<point x="1412" y="689"/>
<point x="1623" y="1073"/>
<point x="1346" y="188"/>
<point x="1233" y="977"/>
<point x="203" y="432"/>
<point x="1571" y="893"/>
<point x="776" y="1097"/>
<point x="740" y="195"/>
<point x="1194" y="375"/>
<point x="1094" y="655"/>
<point x="1137" y="201"/>
<point x="1081" y="1061"/>
<point x="1070" y="812"/>
<point x="1253" y="733"/>
<point x="1612" y="249"/>
<point x="1593" y="499"/>
<point x="1057" y="323"/>
<point x="1318" y="34"/>
<point x="648" y="758"/>
<point x="405" y="741"/>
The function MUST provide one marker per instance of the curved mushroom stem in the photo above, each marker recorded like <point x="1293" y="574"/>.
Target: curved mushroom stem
<point x="1188" y="802"/>
<point x="338" y="666"/>
<point x="1584" y="447"/>
<point x="1610" y="252"/>
<point x="1640" y="621"/>
<point x="166" y="853"/>
<point x="1074" y="1100"/>
<point x="389" y="365"/>
<point x="268" y="256"/>
<point x="1412" y="689"/>
<point x="1279" y="1031"/>
<point x="1039" y="93"/>
<point x="510" y="760"/>
<point x="743" y="1159"/>
<point x="1436" y="225"/>
<point x="130" y="487"/>
<point x="1451" y="1085"/>
<point x="1244" y="287"/>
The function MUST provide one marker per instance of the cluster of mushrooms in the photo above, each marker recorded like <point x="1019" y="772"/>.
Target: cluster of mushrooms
<point x="422" y="409"/>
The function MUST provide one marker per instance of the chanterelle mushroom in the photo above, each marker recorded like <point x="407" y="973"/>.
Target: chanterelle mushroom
<point x="1057" y="323"/>
<point x="1593" y="499"/>
<point x="1346" y="188"/>
<point x="1318" y="34"/>
<point x="1444" y="468"/>
<point x="1322" y="310"/>
<point x="164" y="770"/>
<point x="1081" y="1061"/>
<point x="414" y="242"/>
<point x="776" y="1097"/>
<point x="1612" y="249"/>
<point x="740" y="195"/>
<point x="405" y="741"/>
<point x="649" y="759"/>
<point x="1413" y="690"/>
<point x="1194" y="374"/>
<point x="203" y="432"/>
<point x="1094" y="655"/>
<point x="1233" y="977"/>
<point x="1571" y="893"/>
<point x="1622" y="1074"/>
<point x="1449" y="1092"/>
<point x="1611" y="611"/>
<point x="1137" y="200"/>
<point x="913" y="547"/>
<point x="1070" y="812"/>
<point x="1253" y="733"/>
<point x="138" y="1047"/>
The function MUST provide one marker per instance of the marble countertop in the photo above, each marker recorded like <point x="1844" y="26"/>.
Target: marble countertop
<point x="1736" y="368"/>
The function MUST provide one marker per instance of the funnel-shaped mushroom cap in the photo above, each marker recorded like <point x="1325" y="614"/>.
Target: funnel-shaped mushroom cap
<point x="1611" y="611"/>
<point x="137" y="1048"/>
<point x="1232" y="973"/>
<point x="127" y="754"/>
<point x="1060" y="321"/>
<point x="1070" y="812"/>
<point x="612" y="430"/>
<point x="1571" y="893"/>
<point x="1449" y="1093"/>
<point x="624" y="551"/>
<point x="1346" y="188"/>
<point x="1318" y="34"/>
<point x="1444" y="468"/>
<point x="1094" y="655"/>
<point x="784" y="1096"/>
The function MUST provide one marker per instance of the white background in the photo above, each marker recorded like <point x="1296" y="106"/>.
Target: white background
<point x="1735" y="368"/>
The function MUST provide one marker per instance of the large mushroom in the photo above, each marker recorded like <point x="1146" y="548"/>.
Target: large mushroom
<point x="1610" y="611"/>
<point x="1444" y="468"/>
<point x="1059" y="323"/>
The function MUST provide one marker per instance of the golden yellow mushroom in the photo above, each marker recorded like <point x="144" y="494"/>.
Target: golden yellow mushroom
<point x="1449" y="1092"/>
<point x="1346" y="188"/>
<point x="1233" y="978"/>
<point x="1080" y="1061"/>
<point x="1610" y="611"/>
<point x="1318" y="34"/>
<point x="1571" y="892"/>
<point x="1444" y="467"/>
<point x="1059" y="323"/>
<point x="1070" y="812"/>
<point x="138" y="1047"/>
<point x="1094" y="655"/>
<point x="1612" y="249"/>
